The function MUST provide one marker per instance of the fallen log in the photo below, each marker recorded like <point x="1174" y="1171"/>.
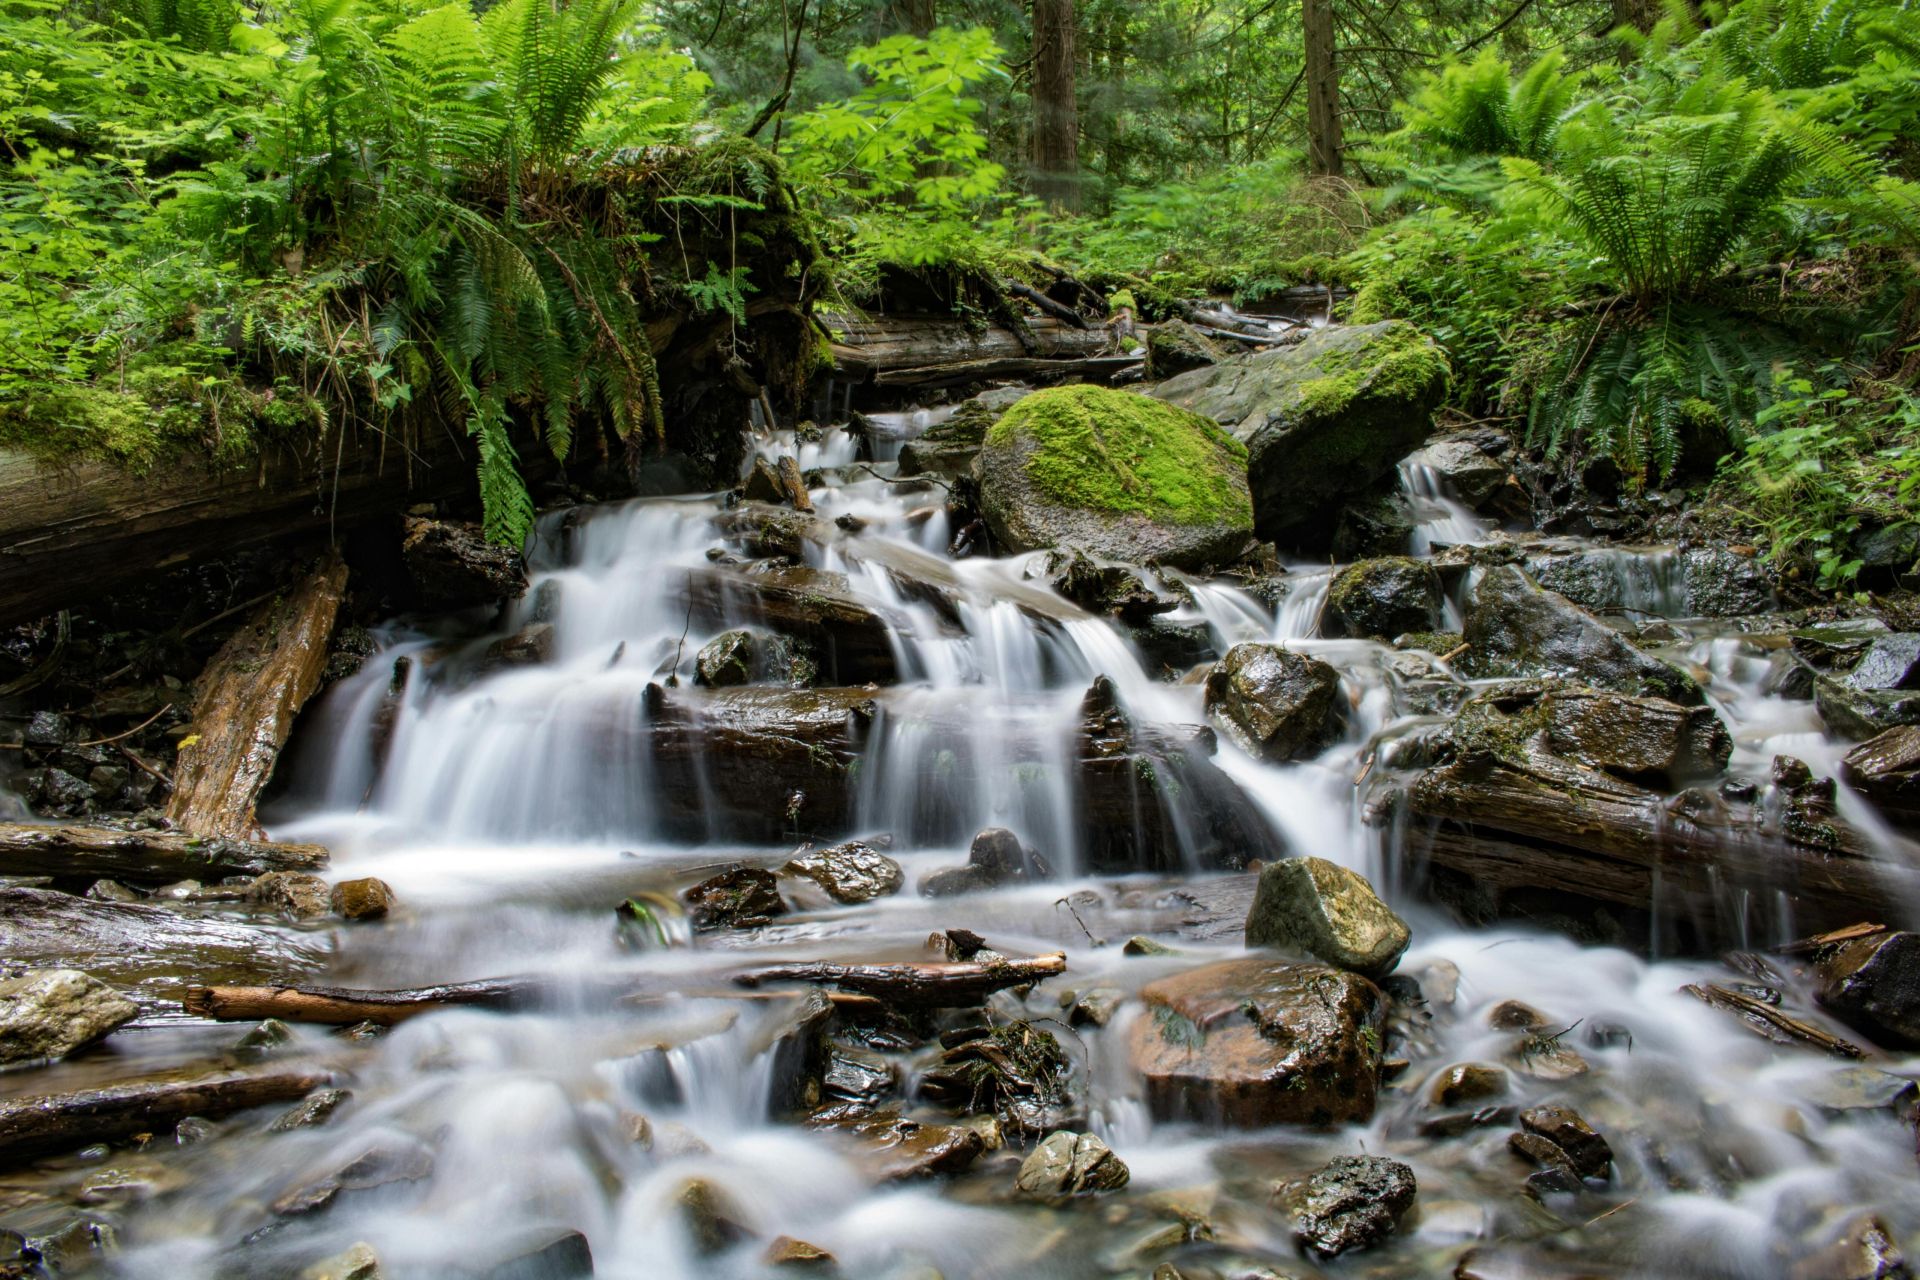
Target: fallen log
<point x="143" y="857"/>
<point x="864" y="347"/>
<point x="940" y="985"/>
<point x="1059" y="311"/>
<point x="40" y="1126"/>
<point x="1033" y="368"/>
<point x="247" y="699"/>
<point x="1770" y="1023"/>
<point x="340" y="1006"/>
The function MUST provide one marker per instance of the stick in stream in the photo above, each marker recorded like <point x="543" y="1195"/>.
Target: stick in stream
<point x="340" y="1006"/>
<point x="939" y="985"/>
<point x="1770" y="1023"/>
<point x="37" y="1126"/>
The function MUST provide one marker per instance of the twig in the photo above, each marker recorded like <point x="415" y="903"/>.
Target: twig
<point x="1451" y="654"/>
<point x="861" y="466"/>
<point x="1365" y="769"/>
<point x="146" y="768"/>
<point x="1063" y="902"/>
<point x="685" y="627"/>
<point x="200" y="626"/>
<point x="101" y="742"/>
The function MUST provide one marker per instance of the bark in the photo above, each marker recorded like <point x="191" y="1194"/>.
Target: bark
<point x="32" y="1127"/>
<point x="343" y="1007"/>
<point x="1770" y="1023"/>
<point x="953" y="985"/>
<point x="795" y="484"/>
<point x="1059" y="311"/>
<point x="247" y="699"/>
<point x="1323" y="90"/>
<point x="1056" y="118"/>
<point x="915" y="17"/>
<point x="143" y="857"/>
<point x="868" y="349"/>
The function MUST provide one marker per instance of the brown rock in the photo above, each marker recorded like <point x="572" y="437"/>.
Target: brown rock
<point x="294" y="893"/>
<point x="1467" y="1082"/>
<point x="900" y="1150"/>
<point x="785" y="1251"/>
<point x="363" y="899"/>
<point x="1873" y="984"/>
<point x="1563" y="1127"/>
<point x="710" y="1219"/>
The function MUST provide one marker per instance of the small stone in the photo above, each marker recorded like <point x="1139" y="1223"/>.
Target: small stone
<point x="1862" y="1089"/>
<point x="357" y="1263"/>
<point x="1556" y="1181"/>
<point x="739" y="898"/>
<point x="1096" y="1007"/>
<point x="763" y="483"/>
<point x="1068" y="1164"/>
<point x="293" y="893"/>
<point x="1545" y="1059"/>
<point x="730" y="658"/>
<point x="268" y="1036"/>
<point x="1544" y="1152"/>
<point x="363" y="899"/>
<point x="311" y="1111"/>
<point x="1141" y="945"/>
<point x="1352" y="1202"/>
<point x="1467" y="1082"/>
<point x="1514" y="1015"/>
<point x="539" y="1253"/>
<point x="1873" y="985"/>
<point x="852" y="872"/>
<point x="193" y="1130"/>
<point x="49" y="1013"/>
<point x="48" y="730"/>
<point x="1563" y="1127"/>
<point x="1329" y="912"/>
<point x="709" y="1217"/>
<point x="112" y="891"/>
<point x="785" y="1251"/>
<point x="1865" y="1251"/>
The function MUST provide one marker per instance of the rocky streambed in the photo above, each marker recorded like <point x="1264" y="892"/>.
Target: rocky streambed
<point x="764" y="887"/>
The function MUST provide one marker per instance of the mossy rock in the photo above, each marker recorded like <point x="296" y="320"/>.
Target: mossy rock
<point x="949" y="448"/>
<point x="1323" y="419"/>
<point x="1175" y="347"/>
<point x="1121" y="475"/>
<point x="1387" y="597"/>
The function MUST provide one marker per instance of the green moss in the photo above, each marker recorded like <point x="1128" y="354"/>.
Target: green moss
<point x="1400" y="364"/>
<point x="1114" y="451"/>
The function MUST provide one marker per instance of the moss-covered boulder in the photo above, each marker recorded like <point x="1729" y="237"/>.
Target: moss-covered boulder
<point x="1323" y="419"/>
<point x="949" y="448"/>
<point x="1388" y="597"/>
<point x="1176" y="347"/>
<point x="1118" y="474"/>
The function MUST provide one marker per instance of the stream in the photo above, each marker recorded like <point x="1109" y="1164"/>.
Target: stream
<point x="512" y="806"/>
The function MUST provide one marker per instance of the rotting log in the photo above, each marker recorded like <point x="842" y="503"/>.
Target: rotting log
<point x="1031" y="368"/>
<point x="340" y="1006"/>
<point x="32" y="1127"/>
<point x="245" y="705"/>
<point x="143" y="857"/>
<point x="865" y="348"/>
<point x="940" y="985"/>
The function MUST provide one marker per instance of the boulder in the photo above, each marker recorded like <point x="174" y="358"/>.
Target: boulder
<point x="1387" y="597"/>
<point x="1119" y="474"/>
<point x="1886" y="770"/>
<point x="1723" y="584"/>
<point x="1068" y="1164"/>
<point x="1174" y="346"/>
<point x="1881" y="692"/>
<point x="1516" y="628"/>
<point x="1323" y="419"/>
<point x="1258" y="1042"/>
<point x="1351" y="1202"/>
<point x="1463" y="468"/>
<point x="292" y="893"/>
<point x="949" y="448"/>
<point x="1104" y="587"/>
<point x="49" y="1013"/>
<point x="1277" y="704"/>
<point x="453" y="566"/>
<point x="1645" y="740"/>
<point x="1379" y="523"/>
<point x="738" y="898"/>
<point x="764" y="484"/>
<point x="996" y="857"/>
<point x="851" y="872"/>
<point x="1320" y="907"/>
<point x="1873" y="985"/>
<point x="367" y="898"/>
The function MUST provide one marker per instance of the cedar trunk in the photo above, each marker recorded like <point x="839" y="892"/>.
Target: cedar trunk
<point x="1323" y="90"/>
<point x="1056" y="120"/>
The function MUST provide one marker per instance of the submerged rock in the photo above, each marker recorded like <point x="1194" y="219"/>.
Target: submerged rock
<point x="1329" y="912"/>
<point x="851" y="872"/>
<point x="1351" y="1202"/>
<point x="49" y="1013"/>
<point x="739" y="898"/>
<point x="1515" y="628"/>
<point x="1259" y="1042"/>
<point x="710" y="1219"/>
<point x="894" y="1149"/>
<point x="1277" y="704"/>
<point x="1866" y="1250"/>
<point x="1387" y="597"/>
<point x="1587" y="1152"/>
<point x="367" y="898"/>
<point x="996" y="857"/>
<point x="1323" y="419"/>
<point x="311" y="1111"/>
<point x="1068" y="1164"/>
<point x="357" y="1263"/>
<point x="1886" y="770"/>
<point x="1467" y="1082"/>
<point x="1873" y="985"/>
<point x="292" y="893"/>
<point x="1117" y="473"/>
<point x="786" y="1251"/>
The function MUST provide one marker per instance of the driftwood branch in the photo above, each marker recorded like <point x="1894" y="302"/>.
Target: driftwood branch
<point x="339" y="1006"/>
<point x="143" y="857"/>
<point x="940" y="985"/>
<point x="38" y="1126"/>
<point x="1770" y="1023"/>
<point x="1064" y="314"/>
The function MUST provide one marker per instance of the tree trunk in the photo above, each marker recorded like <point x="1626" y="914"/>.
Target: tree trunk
<point x="1056" y="120"/>
<point x="1638" y="14"/>
<point x="1323" y="90"/>
<point x="915" y="17"/>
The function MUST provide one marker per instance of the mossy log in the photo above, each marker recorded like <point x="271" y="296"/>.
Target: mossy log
<point x="143" y="857"/>
<point x="32" y="1127"/>
<point x="245" y="705"/>
<point x="920" y="350"/>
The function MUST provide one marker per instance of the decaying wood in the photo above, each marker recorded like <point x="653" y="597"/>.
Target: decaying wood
<point x="794" y="483"/>
<point x="340" y="1006"/>
<point x="39" y="1126"/>
<point x="939" y="985"/>
<point x="1831" y="938"/>
<point x="864" y="348"/>
<point x="1059" y="311"/>
<point x="144" y="857"/>
<point x="247" y="699"/>
<point x="1032" y="368"/>
<point x="1770" y="1023"/>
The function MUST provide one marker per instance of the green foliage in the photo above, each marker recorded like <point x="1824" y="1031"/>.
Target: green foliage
<point x="1119" y="451"/>
<point x="1479" y="109"/>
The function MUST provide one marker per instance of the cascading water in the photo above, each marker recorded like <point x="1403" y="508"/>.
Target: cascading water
<point x="503" y="783"/>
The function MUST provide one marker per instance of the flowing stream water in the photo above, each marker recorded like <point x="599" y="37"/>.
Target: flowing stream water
<point x="513" y="807"/>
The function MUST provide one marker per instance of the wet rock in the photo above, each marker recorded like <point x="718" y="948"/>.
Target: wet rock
<point x="764" y="483"/>
<point x="1351" y="1202"/>
<point x="1119" y="474"/>
<point x="1881" y="692"/>
<point x="1174" y="346"/>
<point x="786" y="1251"/>
<point x="1892" y="662"/>
<point x="1517" y="1015"/>
<point x="949" y="448"/>
<point x="1103" y="587"/>
<point x="364" y="899"/>
<point x="851" y="872"/>
<point x="380" y="1165"/>
<point x="268" y="1037"/>
<point x="1323" y="419"/>
<point x="1837" y="645"/>
<point x="1647" y="740"/>
<point x="1586" y="1150"/>
<point x="1259" y="1042"/>
<point x="894" y="1149"/>
<point x="49" y="1013"/>
<point x="1329" y="912"/>
<point x="1873" y="985"/>
<point x="357" y="1263"/>
<point x="1017" y="1071"/>
<point x="1172" y="647"/>
<point x="813" y="612"/>
<point x="194" y="1130"/>
<point x="739" y="898"/>
<point x="49" y="731"/>
<point x="453" y="566"/>
<point x="1456" y="1123"/>
<point x="1722" y="584"/>
<point x="292" y="893"/>
<point x="1068" y="1164"/>
<point x="530" y="646"/>
<point x="1865" y="1251"/>
<point x="58" y="791"/>
<point x="1095" y="1008"/>
<point x="1856" y="1090"/>
<point x="1468" y="472"/>
<point x="112" y="891"/>
<point x="1467" y="1082"/>
<point x="1386" y="597"/>
<point x="728" y="659"/>
<point x="996" y="857"/>
<point x="1517" y="629"/>
<point x="1375" y="524"/>
<point x="711" y="1220"/>
<point x="311" y="1111"/>
<point x="1278" y="705"/>
<point x="1886" y="770"/>
<point x="1545" y="1056"/>
<point x="539" y="1253"/>
<point x="856" y="1078"/>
